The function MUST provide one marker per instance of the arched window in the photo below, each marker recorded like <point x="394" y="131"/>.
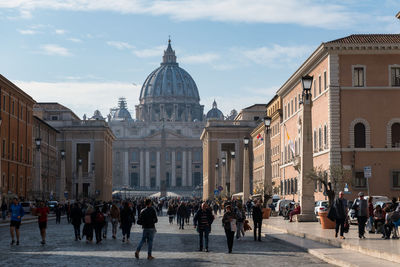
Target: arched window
<point x="396" y="134"/>
<point x="359" y="135"/>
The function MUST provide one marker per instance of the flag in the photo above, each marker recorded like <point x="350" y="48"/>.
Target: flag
<point x="290" y="142"/>
<point x="258" y="136"/>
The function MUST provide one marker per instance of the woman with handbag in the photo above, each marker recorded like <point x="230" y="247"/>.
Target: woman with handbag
<point x="229" y="223"/>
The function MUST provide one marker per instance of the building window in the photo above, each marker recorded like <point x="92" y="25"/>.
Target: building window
<point x="135" y="157"/>
<point x="396" y="179"/>
<point x="395" y="76"/>
<point x="197" y="156"/>
<point x="285" y="113"/>
<point x="358" y="77"/>
<point x="134" y="179"/>
<point x="325" y="136"/>
<point x="178" y="181"/>
<point x="179" y="155"/>
<point x="315" y="140"/>
<point x="320" y="138"/>
<point x="319" y="85"/>
<point x="291" y="107"/>
<point x="3" y="153"/>
<point x="396" y="134"/>
<point x="54" y="118"/>
<point x="295" y="185"/>
<point x="315" y="88"/>
<point x="167" y="156"/>
<point x="295" y="103"/>
<point x="153" y="156"/>
<point x="360" y="180"/>
<point x="20" y="152"/>
<point x="12" y="151"/>
<point x="28" y="156"/>
<point x="325" y="81"/>
<point x="281" y="188"/>
<point x="359" y="135"/>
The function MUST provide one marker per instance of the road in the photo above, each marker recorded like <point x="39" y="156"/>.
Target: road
<point x="172" y="247"/>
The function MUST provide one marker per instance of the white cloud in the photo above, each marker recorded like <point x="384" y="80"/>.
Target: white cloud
<point x="60" y="31"/>
<point x="314" y="13"/>
<point x="75" y="40"/>
<point x="200" y="59"/>
<point x="53" y="49"/>
<point x="102" y="95"/>
<point x="120" y="45"/>
<point x="151" y="52"/>
<point x="276" y="54"/>
<point x="27" y="32"/>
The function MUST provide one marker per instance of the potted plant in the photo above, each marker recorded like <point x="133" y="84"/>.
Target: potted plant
<point x="266" y="210"/>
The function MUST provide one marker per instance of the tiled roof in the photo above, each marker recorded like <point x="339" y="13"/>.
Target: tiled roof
<point x="368" y="39"/>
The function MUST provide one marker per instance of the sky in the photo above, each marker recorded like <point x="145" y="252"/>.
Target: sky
<point x="85" y="54"/>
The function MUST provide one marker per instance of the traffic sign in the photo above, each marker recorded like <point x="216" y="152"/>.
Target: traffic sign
<point x="220" y="188"/>
<point x="346" y="189"/>
<point x="367" y="172"/>
<point x="66" y="194"/>
<point x="216" y="192"/>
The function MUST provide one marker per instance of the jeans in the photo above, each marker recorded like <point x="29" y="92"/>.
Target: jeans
<point x="204" y="232"/>
<point x="181" y="222"/>
<point x="148" y="234"/>
<point x="126" y="230"/>
<point x="229" y="238"/>
<point x="77" y="230"/>
<point x="339" y="222"/>
<point x="361" y="225"/>
<point x="97" y="229"/>
<point x="105" y="227"/>
<point x="240" y="229"/>
<point x="3" y="214"/>
<point x="257" y="226"/>
<point x="114" y="223"/>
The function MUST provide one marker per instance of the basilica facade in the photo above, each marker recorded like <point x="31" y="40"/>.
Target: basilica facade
<point x="161" y="146"/>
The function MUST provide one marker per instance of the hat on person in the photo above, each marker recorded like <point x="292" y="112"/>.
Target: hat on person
<point x="361" y="194"/>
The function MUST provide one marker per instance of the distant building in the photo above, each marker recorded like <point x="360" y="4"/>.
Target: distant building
<point x="88" y="151"/>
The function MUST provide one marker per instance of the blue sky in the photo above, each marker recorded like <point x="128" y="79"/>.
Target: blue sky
<point x="87" y="53"/>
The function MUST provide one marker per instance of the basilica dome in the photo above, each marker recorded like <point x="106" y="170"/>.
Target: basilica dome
<point x="121" y="113"/>
<point x="169" y="83"/>
<point x="215" y="113"/>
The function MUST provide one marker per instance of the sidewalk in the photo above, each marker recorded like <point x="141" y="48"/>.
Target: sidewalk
<point x="28" y="218"/>
<point x="373" y="245"/>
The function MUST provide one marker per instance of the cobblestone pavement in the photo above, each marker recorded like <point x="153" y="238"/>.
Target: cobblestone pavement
<point x="172" y="247"/>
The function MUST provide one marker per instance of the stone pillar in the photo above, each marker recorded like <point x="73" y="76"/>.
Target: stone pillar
<point x="126" y="168"/>
<point x="227" y="186"/>
<point x="173" y="169"/>
<point x="158" y="169"/>
<point x="233" y="176"/>
<point x="147" y="168"/>
<point x="223" y="178"/>
<point x="142" y="180"/>
<point x="80" y="180"/>
<point x="190" y="175"/>
<point x="184" y="169"/>
<point x="246" y="175"/>
<point x="306" y="186"/>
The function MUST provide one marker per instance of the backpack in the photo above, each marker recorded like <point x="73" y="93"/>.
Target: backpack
<point x="99" y="217"/>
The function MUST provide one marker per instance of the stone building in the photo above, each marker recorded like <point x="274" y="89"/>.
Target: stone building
<point x="161" y="146"/>
<point x="16" y="121"/>
<point x="355" y="120"/>
<point x="45" y="161"/>
<point x="86" y="166"/>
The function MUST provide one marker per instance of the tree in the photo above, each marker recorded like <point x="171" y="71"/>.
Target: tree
<point x="338" y="177"/>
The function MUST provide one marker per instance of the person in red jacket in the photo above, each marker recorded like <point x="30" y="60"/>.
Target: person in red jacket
<point x="42" y="212"/>
<point x="296" y="210"/>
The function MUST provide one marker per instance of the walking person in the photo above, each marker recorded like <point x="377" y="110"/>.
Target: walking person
<point x="182" y="215"/>
<point x="126" y="222"/>
<point x="257" y="220"/>
<point x="241" y="216"/>
<point x="88" y="226"/>
<point x="17" y="212"/>
<point x="360" y="205"/>
<point x="57" y="211"/>
<point x="115" y="219"/>
<point x="106" y="213"/>
<point x="229" y="223"/>
<point x="170" y="213"/>
<point x="371" y="229"/>
<point x="202" y="221"/>
<point x="98" y="223"/>
<point x="42" y="211"/>
<point x="76" y="220"/>
<point x="148" y="219"/>
<point x="340" y="208"/>
<point x="3" y="209"/>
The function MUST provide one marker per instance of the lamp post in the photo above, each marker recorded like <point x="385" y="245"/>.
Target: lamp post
<point x="38" y="168"/>
<point x="246" y="170"/>
<point x="216" y="174"/>
<point x="1" y="175"/>
<point x="80" y="178"/>
<point x="267" y="183"/>
<point x="93" y="185"/>
<point x="232" y="178"/>
<point x="62" y="176"/>
<point x="223" y="174"/>
<point x="306" y="187"/>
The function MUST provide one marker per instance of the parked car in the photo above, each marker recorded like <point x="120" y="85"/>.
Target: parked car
<point x="321" y="206"/>
<point x="52" y="204"/>
<point x="281" y="205"/>
<point x="27" y="206"/>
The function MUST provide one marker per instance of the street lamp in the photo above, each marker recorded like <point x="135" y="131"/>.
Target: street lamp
<point x="246" y="142"/>
<point x="38" y="141"/>
<point x="223" y="161"/>
<point x="267" y="123"/>
<point x="62" y="152"/>
<point x="306" y="81"/>
<point x="216" y="165"/>
<point x="93" y="166"/>
<point x="80" y="161"/>
<point x="233" y="154"/>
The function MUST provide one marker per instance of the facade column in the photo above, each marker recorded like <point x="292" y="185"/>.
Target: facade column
<point x="246" y="174"/>
<point x="190" y="174"/>
<point x="158" y="170"/>
<point x="306" y="186"/>
<point x="126" y="168"/>
<point x="233" y="176"/>
<point x="80" y="180"/>
<point x="173" y="168"/>
<point x="184" y="169"/>
<point x="147" y="169"/>
<point x="142" y="183"/>
<point x="227" y="186"/>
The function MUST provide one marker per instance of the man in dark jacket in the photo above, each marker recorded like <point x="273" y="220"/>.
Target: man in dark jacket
<point x="181" y="215"/>
<point x="391" y="218"/>
<point x="76" y="220"/>
<point x="257" y="219"/>
<point x="148" y="219"/>
<point x="203" y="220"/>
<point x="340" y="208"/>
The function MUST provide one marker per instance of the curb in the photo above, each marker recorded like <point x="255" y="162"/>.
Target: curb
<point x="31" y="220"/>
<point x="336" y="243"/>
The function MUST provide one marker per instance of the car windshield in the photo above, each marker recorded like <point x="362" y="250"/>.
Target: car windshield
<point x="324" y="204"/>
